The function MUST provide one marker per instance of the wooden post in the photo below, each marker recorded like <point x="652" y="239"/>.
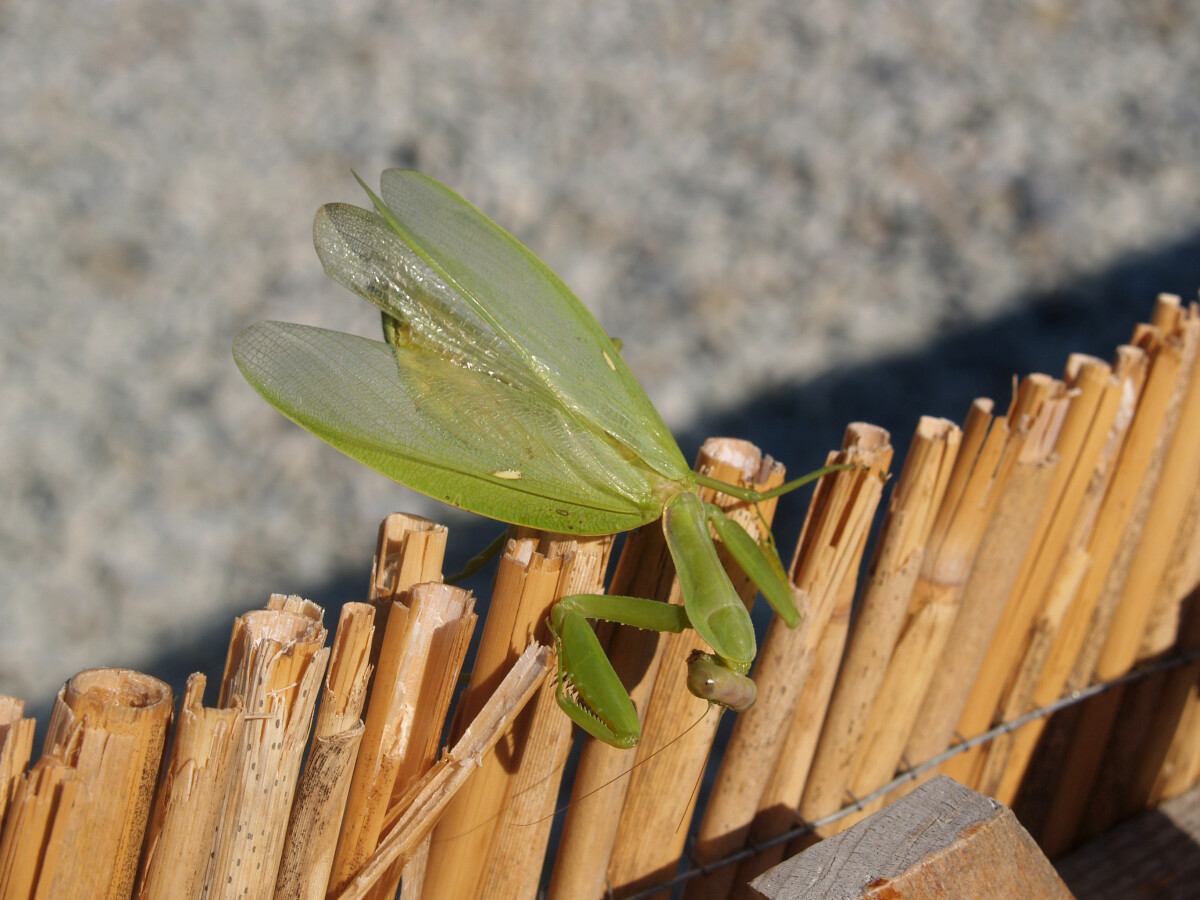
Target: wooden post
<point x="940" y="841"/>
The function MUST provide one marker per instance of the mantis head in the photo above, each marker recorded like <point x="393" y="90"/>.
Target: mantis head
<point x="712" y="680"/>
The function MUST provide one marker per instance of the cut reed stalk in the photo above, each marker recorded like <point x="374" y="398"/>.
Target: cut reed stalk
<point x="476" y="831"/>
<point x="1131" y="587"/>
<point x="16" y="744"/>
<point x="33" y="834"/>
<point x="1073" y="590"/>
<point x="662" y="788"/>
<point x="440" y="784"/>
<point x="796" y="666"/>
<point x="598" y="792"/>
<point x="1107" y="651"/>
<point x="77" y="820"/>
<point x="1176" y="467"/>
<point x="1026" y="628"/>
<point x="428" y="630"/>
<point x="538" y="744"/>
<point x="275" y="664"/>
<point x="890" y="580"/>
<point x="1006" y="544"/>
<point x="187" y="810"/>
<point x="990" y="449"/>
<point x="321" y="795"/>
<point x="1176" y="769"/>
<point x="409" y="550"/>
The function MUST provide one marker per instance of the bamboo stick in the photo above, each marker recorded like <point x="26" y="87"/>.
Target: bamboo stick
<point x="324" y="787"/>
<point x="78" y="818"/>
<point x="441" y="783"/>
<point x="983" y="466"/>
<point x="662" y="793"/>
<point x="1107" y="651"/>
<point x="1021" y="641"/>
<point x="796" y="664"/>
<point x="275" y="663"/>
<point x="539" y="743"/>
<point x="428" y="630"/>
<point x="188" y="807"/>
<point x="890" y="580"/>
<point x="16" y="744"/>
<point x="1006" y="544"/>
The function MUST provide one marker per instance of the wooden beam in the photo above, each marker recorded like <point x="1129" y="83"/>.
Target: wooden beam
<point x="942" y="840"/>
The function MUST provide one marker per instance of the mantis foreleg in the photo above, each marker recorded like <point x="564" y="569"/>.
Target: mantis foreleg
<point x="589" y="690"/>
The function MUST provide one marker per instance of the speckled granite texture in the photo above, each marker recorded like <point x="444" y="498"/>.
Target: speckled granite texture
<point x="821" y="211"/>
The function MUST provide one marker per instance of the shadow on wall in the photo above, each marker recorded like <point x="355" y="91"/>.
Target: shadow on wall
<point x="800" y="423"/>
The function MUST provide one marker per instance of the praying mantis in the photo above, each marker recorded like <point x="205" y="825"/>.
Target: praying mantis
<point x="496" y="391"/>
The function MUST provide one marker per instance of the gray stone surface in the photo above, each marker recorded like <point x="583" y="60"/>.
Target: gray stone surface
<point x="763" y="199"/>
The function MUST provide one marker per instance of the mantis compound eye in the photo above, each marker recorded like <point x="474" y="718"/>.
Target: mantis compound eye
<point x="710" y="679"/>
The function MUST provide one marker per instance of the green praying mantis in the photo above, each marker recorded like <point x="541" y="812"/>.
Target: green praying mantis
<point x="496" y="391"/>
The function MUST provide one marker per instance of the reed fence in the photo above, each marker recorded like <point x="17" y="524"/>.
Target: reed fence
<point x="1028" y="623"/>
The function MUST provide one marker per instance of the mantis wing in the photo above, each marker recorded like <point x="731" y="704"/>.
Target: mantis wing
<point x="510" y="452"/>
<point x="465" y="288"/>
